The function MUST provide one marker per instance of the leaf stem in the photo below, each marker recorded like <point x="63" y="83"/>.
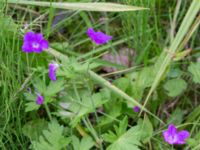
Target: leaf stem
<point x="48" y="112"/>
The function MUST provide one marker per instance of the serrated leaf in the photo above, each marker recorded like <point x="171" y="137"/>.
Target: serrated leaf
<point x="194" y="69"/>
<point x="33" y="129"/>
<point x="30" y="96"/>
<point x="175" y="87"/>
<point x="86" y="143"/>
<point x="30" y="106"/>
<point x="129" y="140"/>
<point x="54" y="87"/>
<point x="87" y="105"/>
<point x="51" y="139"/>
<point x="111" y="7"/>
<point x="39" y="85"/>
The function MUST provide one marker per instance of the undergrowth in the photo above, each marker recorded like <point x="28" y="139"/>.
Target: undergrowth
<point x="91" y="105"/>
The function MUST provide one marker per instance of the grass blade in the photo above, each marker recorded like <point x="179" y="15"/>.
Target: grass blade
<point x="109" y="7"/>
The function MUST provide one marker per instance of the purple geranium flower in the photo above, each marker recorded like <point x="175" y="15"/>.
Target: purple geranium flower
<point x="34" y="42"/>
<point x="136" y="109"/>
<point x="53" y="67"/>
<point x="98" y="37"/>
<point x="40" y="99"/>
<point x="172" y="136"/>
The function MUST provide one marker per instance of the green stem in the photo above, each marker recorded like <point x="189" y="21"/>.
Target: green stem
<point x="92" y="131"/>
<point x="48" y="112"/>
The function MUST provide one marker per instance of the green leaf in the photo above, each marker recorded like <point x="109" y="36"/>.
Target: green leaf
<point x="87" y="105"/>
<point x="146" y="129"/>
<point x="145" y="77"/>
<point x="54" y="87"/>
<point x="51" y="139"/>
<point x="30" y="96"/>
<point x="39" y="85"/>
<point x="33" y="129"/>
<point x="111" y="7"/>
<point x="194" y="69"/>
<point x="112" y="114"/>
<point x="30" y="106"/>
<point x="175" y="87"/>
<point x="86" y="143"/>
<point x="111" y="137"/>
<point x="129" y="140"/>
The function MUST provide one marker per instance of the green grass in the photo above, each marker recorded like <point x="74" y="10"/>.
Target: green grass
<point x="147" y="33"/>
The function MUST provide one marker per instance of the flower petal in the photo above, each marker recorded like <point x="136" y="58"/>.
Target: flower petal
<point x="52" y="71"/>
<point x="170" y="138"/>
<point x="170" y="135"/>
<point x="98" y="37"/>
<point x="40" y="99"/>
<point x="38" y="37"/>
<point x="182" y="136"/>
<point x="44" y="44"/>
<point x="172" y="129"/>
<point x="26" y="47"/>
<point x="29" y="36"/>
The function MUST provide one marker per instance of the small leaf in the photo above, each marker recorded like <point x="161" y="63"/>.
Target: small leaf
<point x="39" y="85"/>
<point x="54" y="87"/>
<point x="86" y="143"/>
<point x="31" y="106"/>
<point x="30" y="96"/>
<point x="51" y="139"/>
<point x="194" y="69"/>
<point x="146" y="129"/>
<point x="175" y="87"/>
<point x="33" y="129"/>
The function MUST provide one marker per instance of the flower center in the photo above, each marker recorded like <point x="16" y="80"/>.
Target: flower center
<point x="35" y="45"/>
<point x="173" y="138"/>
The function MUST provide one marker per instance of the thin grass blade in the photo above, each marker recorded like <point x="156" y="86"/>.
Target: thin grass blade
<point x="109" y="7"/>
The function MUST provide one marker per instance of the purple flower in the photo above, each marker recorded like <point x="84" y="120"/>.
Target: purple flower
<point x="34" y="42"/>
<point x="98" y="37"/>
<point x="136" y="109"/>
<point x="53" y="67"/>
<point x="172" y="136"/>
<point x="40" y="99"/>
